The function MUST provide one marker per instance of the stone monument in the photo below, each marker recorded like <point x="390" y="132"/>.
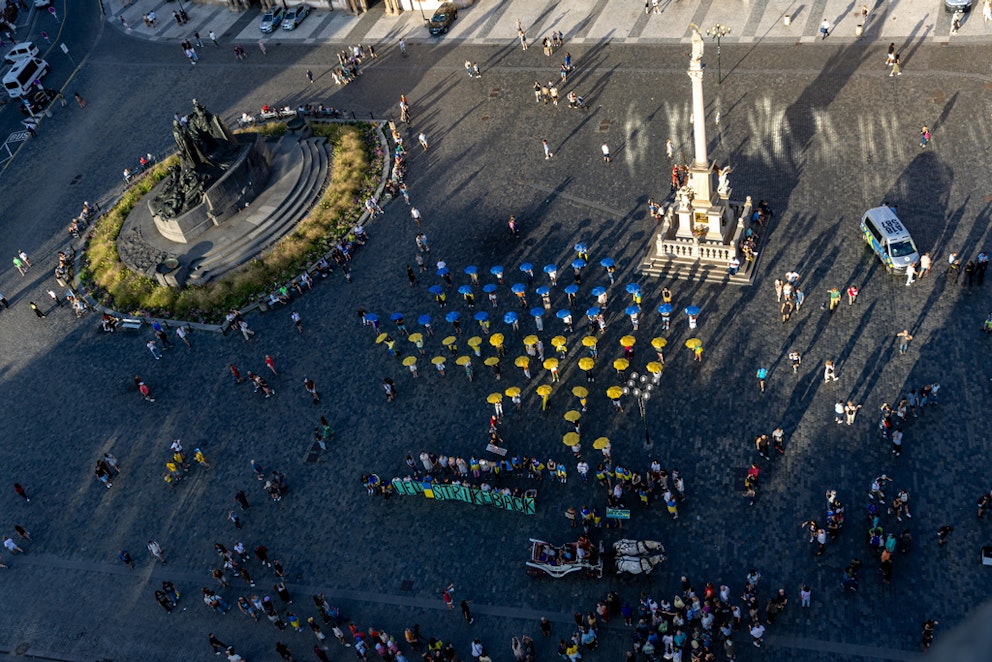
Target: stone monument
<point x="698" y="235"/>
<point x="215" y="178"/>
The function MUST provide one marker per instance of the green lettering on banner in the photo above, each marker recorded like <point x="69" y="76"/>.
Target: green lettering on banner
<point x="441" y="492"/>
<point x="473" y="495"/>
<point x="461" y="493"/>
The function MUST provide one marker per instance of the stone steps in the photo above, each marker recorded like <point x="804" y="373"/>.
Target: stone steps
<point x="275" y="213"/>
<point x="686" y="269"/>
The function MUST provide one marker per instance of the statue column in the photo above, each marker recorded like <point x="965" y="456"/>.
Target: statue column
<point x="700" y="160"/>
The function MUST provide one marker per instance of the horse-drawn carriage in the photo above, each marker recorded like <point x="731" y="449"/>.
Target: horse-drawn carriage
<point x="579" y="556"/>
<point x="637" y="557"/>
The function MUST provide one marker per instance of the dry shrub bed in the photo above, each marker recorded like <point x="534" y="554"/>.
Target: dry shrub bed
<point x="355" y="171"/>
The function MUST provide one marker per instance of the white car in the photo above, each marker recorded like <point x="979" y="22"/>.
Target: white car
<point x="43" y="4"/>
<point x="20" y="52"/>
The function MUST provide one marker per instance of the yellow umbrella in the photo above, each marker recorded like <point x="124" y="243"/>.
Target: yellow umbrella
<point x="570" y="439"/>
<point x="654" y="367"/>
<point x="463" y="360"/>
<point x="658" y="343"/>
<point x="621" y="364"/>
<point x="491" y="361"/>
<point x="586" y="363"/>
<point x="572" y="416"/>
<point x="381" y="337"/>
<point x="437" y="360"/>
<point x="409" y="361"/>
<point x="450" y="340"/>
<point x="493" y="398"/>
<point x="416" y="337"/>
<point x="589" y="341"/>
<point x="558" y="341"/>
<point x="628" y="341"/>
<point x="496" y="339"/>
<point x="693" y="343"/>
<point x="522" y="361"/>
<point x="550" y="364"/>
<point x="512" y="392"/>
<point x="580" y="391"/>
<point x="614" y="392"/>
<point x="474" y="341"/>
<point x="544" y="389"/>
<point x="601" y="443"/>
<point x="530" y="340"/>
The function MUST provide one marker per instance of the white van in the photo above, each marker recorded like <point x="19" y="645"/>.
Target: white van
<point x="17" y="82"/>
<point x="20" y="52"/>
<point x="889" y="239"/>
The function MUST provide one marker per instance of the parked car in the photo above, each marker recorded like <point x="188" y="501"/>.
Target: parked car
<point x="295" y="16"/>
<point x="43" y="4"/>
<point x="442" y="18"/>
<point x="889" y="239"/>
<point x="271" y="20"/>
<point x="20" y="51"/>
<point x="957" y="5"/>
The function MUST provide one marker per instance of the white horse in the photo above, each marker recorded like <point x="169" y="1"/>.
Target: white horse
<point x="627" y="547"/>
<point x="638" y="565"/>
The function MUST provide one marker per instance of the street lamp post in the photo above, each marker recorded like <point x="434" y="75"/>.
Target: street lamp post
<point x="639" y="387"/>
<point x="718" y="32"/>
<point x="422" y="14"/>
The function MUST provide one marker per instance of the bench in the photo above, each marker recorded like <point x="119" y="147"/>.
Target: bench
<point x="131" y="323"/>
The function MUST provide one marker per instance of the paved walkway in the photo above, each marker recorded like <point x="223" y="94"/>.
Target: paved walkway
<point x="821" y="134"/>
<point x="582" y="21"/>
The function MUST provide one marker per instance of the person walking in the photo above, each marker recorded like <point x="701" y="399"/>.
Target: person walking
<point x="943" y="533"/>
<point x="183" y="332"/>
<point x="125" y="558"/>
<point x="153" y="348"/>
<point x="904" y="339"/>
<point x="218" y="645"/>
<point x="242" y="500"/>
<point x="55" y="298"/>
<point x="156" y="551"/>
<point x="762" y="374"/>
<point x="547" y="149"/>
<point x="466" y="612"/>
<point x="422" y="138"/>
<point x="79" y="99"/>
<point x="824" y="29"/>
<point x="896" y="67"/>
<point x="261" y="46"/>
<point x="213" y="38"/>
<point x="21" y="492"/>
<point x="606" y="153"/>
<point x="924" y="136"/>
<point x="297" y="321"/>
<point x="309" y="75"/>
<point x="37" y="311"/>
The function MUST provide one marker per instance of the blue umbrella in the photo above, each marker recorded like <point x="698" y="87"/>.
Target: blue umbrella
<point x="537" y="312"/>
<point x="510" y="317"/>
<point x="489" y="288"/>
<point x="396" y="316"/>
<point x="592" y="312"/>
<point x="371" y="317"/>
<point x="526" y="266"/>
<point x="607" y="262"/>
<point x="443" y="271"/>
<point x="481" y="316"/>
<point x="550" y="268"/>
<point x="633" y="288"/>
<point x="598" y="291"/>
<point x="665" y="309"/>
<point x="562" y="314"/>
<point x="572" y="289"/>
<point x="453" y="316"/>
<point x="496" y="271"/>
<point x="517" y="288"/>
<point x="578" y="263"/>
<point x="465" y="289"/>
<point x="692" y="310"/>
<point x="424" y="320"/>
<point x="544" y="289"/>
<point x="631" y="310"/>
<point x="435" y="289"/>
<point x="471" y="270"/>
<point x="580" y="248"/>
